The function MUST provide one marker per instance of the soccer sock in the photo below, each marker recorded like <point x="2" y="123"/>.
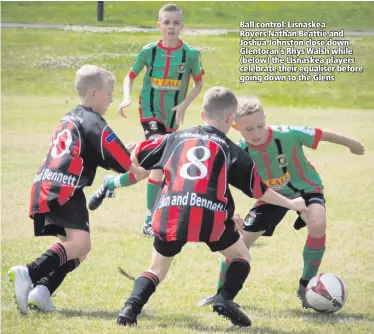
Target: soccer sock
<point x="153" y="188"/>
<point x="313" y="254"/>
<point x="47" y="262"/>
<point x="123" y="180"/>
<point x="236" y="275"/>
<point x="56" y="277"/>
<point x="144" y="287"/>
<point x="221" y="279"/>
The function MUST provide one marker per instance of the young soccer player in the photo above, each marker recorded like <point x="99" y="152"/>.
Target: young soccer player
<point x="82" y="142"/>
<point x="163" y="102"/>
<point x="281" y="163"/>
<point x="195" y="203"/>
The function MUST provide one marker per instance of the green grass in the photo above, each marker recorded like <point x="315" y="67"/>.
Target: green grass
<point x="90" y="297"/>
<point x="48" y="62"/>
<point x="347" y="15"/>
<point x="38" y="69"/>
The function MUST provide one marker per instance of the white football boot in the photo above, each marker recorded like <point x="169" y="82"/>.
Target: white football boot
<point x="40" y="299"/>
<point x="19" y="276"/>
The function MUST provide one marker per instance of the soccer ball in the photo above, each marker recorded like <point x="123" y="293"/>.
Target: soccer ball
<point x="326" y="293"/>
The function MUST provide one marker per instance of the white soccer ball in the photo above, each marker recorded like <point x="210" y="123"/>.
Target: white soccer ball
<point x="326" y="293"/>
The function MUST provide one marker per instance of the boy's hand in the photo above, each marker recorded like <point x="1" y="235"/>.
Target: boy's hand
<point x="130" y="146"/>
<point x="124" y="104"/>
<point x="180" y="110"/>
<point x="298" y="204"/>
<point x="139" y="172"/>
<point x="356" y="147"/>
<point x="238" y="222"/>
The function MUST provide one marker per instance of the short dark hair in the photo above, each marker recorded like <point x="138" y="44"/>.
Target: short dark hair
<point x="219" y="102"/>
<point x="169" y="8"/>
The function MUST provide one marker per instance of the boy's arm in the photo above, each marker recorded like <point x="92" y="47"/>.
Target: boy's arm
<point x="180" y="109"/>
<point x="354" y="145"/>
<point x="197" y="73"/>
<point x="128" y="83"/>
<point x="149" y="153"/>
<point x="272" y="197"/>
<point x="109" y="152"/>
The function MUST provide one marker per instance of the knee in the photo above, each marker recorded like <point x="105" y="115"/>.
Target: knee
<point x="316" y="227"/>
<point x="82" y="248"/>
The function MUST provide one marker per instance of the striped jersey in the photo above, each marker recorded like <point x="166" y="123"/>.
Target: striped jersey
<point x="82" y="142"/>
<point x="198" y="164"/>
<point x="166" y="80"/>
<point x="281" y="161"/>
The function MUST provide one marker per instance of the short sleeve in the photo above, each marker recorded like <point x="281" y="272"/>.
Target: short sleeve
<point x="107" y="149"/>
<point x="150" y="153"/>
<point x="243" y="174"/>
<point x="140" y="62"/>
<point x="310" y="137"/>
<point x="196" y="66"/>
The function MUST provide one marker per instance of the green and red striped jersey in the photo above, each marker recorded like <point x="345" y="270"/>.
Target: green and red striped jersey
<point x="195" y="200"/>
<point x="166" y="80"/>
<point x="281" y="161"/>
<point x="82" y="142"/>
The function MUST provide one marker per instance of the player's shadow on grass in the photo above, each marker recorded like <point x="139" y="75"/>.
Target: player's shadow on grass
<point x="183" y="321"/>
<point x="308" y="314"/>
<point x="332" y="317"/>
<point x="101" y="314"/>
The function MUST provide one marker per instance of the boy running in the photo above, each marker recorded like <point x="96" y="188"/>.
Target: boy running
<point x="82" y="142"/>
<point x="278" y="154"/>
<point x="163" y="102"/>
<point x="195" y="203"/>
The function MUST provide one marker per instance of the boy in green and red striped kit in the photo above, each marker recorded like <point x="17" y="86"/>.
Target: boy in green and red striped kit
<point x="169" y="63"/>
<point x="279" y="157"/>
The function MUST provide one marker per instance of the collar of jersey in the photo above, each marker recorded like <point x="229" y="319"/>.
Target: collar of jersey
<point x="212" y="129"/>
<point x="86" y="108"/>
<point x="262" y="147"/>
<point x="159" y="44"/>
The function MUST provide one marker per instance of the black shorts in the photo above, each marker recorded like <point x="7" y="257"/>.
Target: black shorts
<point x="153" y="128"/>
<point x="266" y="217"/>
<point x="171" y="248"/>
<point x="73" y="214"/>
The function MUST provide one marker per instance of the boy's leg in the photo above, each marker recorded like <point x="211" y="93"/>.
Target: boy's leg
<point x="72" y="219"/>
<point x="145" y="285"/>
<point x="60" y="253"/>
<point x="249" y="239"/>
<point x="152" y="130"/>
<point x="233" y="248"/>
<point x="153" y="187"/>
<point x="314" y="248"/>
<point x="261" y="219"/>
<point x="40" y="296"/>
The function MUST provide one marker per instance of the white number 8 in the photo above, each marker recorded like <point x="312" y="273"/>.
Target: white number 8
<point x="197" y="162"/>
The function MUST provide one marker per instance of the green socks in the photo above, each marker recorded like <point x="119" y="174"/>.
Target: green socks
<point x="313" y="254"/>
<point x="123" y="180"/>
<point x="153" y="188"/>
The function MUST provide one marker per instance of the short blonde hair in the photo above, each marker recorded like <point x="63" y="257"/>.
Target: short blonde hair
<point x="219" y="102"/>
<point x="91" y="76"/>
<point x="248" y="105"/>
<point x="169" y="8"/>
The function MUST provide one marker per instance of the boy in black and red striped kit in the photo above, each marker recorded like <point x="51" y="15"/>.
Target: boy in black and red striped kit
<point x="82" y="142"/>
<point x="195" y="203"/>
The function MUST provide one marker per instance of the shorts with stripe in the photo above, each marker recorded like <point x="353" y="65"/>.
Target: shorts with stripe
<point x="73" y="214"/>
<point x="171" y="248"/>
<point x="266" y="217"/>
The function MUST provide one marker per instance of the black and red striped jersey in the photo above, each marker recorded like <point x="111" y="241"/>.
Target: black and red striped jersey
<point x="82" y="142"/>
<point x="198" y="164"/>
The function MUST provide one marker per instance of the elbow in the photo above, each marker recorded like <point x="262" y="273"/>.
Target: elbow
<point x="199" y="86"/>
